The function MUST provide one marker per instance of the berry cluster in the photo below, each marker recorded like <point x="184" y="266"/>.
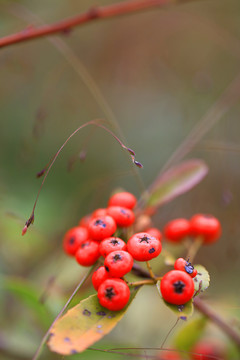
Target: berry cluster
<point x="109" y="232"/>
<point x="205" y="227"/>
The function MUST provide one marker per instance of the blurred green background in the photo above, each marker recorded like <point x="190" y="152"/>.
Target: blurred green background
<point x="154" y="76"/>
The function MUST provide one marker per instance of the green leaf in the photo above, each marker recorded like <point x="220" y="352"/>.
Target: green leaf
<point x="28" y="295"/>
<point x="188" y="336"/>
<point x="83" y="325"/>
<point x="202" y="280"/>
<point x="182" y="311"/>
<point x="176" y="181"/>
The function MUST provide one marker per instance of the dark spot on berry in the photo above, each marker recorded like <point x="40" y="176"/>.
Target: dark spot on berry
<point x="117" y="257"/>
<point x="86" y="312"/>
<point x="83" y="245"/>
<point x="107" y="268"/>
<point x="51" y="335"/>
<point x="101" y="313"/>
<point x="180" y="308"/>
<point x="189" y="268"/>
<point x="101" y="223"/>
<point x="179" y="287"/>
<point x="152" y="250"/>
<point x="184" y="318"/>
<point x="109" y="293"/>
<point x="67" y="339"/>
<point x="145" y="239"/>
<point x="124" y="212"/>
<point x="73" y="351"/>
<point x="114" y="242"/>
<point x="71" y="240"/>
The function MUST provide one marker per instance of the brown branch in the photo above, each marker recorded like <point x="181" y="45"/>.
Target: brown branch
<point x="64" y="26"/>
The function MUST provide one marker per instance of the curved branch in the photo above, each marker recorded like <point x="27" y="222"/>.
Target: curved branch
<point x="95" y="13"/>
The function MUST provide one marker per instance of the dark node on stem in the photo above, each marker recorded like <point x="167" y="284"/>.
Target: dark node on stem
<point x="101" y="313"/>
<point x="41" y="173"/>
<point x="179" y="287"/>
<point x="86" y="312"/>
<point x="131" y="151"/>
<point x="109" y="293"/>
<point x="28" y="223"/>
<point x="117" y="257"/>
<point x="99" y="222"/>
<point x="93" y="13"/>
<point x="152" y="250"/>
<point x="67" y="31"/>
<point x="138" y="164"/>
<point x="180" y="308"/>
<point x="114" y="242"/>
<point x="145" y="239"/>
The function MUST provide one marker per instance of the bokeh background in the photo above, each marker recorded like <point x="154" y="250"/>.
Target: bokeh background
<point x="167" y="81"/>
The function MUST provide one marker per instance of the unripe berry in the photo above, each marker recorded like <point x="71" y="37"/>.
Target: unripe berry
<point x="113" y="294"/>
<point x="111" y="244"/>
<point x="88" y="253"/>
<point x="102" y="227"/>
<point x="143" y="247"/>
<point x="206" y="226"/>
<point x="124" y="199"/>
<point x="124" y="217"/>
<point x="177" y="287"/>
<point x="73" y="239"/>
<point x="99" y="276"/>
<point x="177" y="229"/>
<point x="118" y="263"/>
<point x="206" y="350"/>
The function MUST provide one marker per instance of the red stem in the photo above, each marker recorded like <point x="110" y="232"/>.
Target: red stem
<point x="94" y="13"/>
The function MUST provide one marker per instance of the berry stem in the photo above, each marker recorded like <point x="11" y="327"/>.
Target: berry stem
<point x="142" y="282"/>
<point x="194" y="247"/>
<point x="150" y="271"/>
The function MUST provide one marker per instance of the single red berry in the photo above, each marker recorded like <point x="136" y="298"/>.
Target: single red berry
<point x="124" y="217"/>
<point x="99" y="213"/>
<point x="177" y="229"/>
<point x="206" y="226"/>
<point x="111" y="244"/>
<point x="169" y="355"/>
<point x="177" y="287"/>
<point x="113" y="294"/>
<point x="84" y="221"/>
<point x="124" y="199"/>
<point x="184" y="265"/>
<point x="155" y="233"/>
<point x="143" y="247"/>
<point x="206" y="350"/>
<point x="118" y="263"/>
<point x="102" y="227"/>
<point x="88" y="253"/>
<point x="73" y="239"/>
<point x="99" y="276"/>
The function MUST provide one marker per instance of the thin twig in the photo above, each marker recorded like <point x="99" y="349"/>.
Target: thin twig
<point x="44" y="339"/>
<point x="95" y="13"/>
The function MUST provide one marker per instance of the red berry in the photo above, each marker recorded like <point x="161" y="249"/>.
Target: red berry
<point x="102" y="227"/>
<point x="169" y="355"/>
<point x="118" y="263"/>
<point x="206" y="226"/>
<point x="143" y="247"/>
<point x="99" y="213"/>
<point x="177" y="287"/>
<point x="111" y="244"/>
<point x="88" y="253"/>
<point x="183" y="265"/>
<point x="124" y="199"/>
<point x="84" y="221"/>
<point x="113" y="294"/>
<point x="176" y="230"/>
<point x="205" y="350"/>
<point x="124" y="217"/>
<point x="99" y="276"/>
<point x="73" y="239"/>
<point x="155" y="233"/>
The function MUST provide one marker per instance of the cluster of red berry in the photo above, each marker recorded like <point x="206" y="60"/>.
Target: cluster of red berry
<point x="206" y="227"/>
<point x="94" y="237"/>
